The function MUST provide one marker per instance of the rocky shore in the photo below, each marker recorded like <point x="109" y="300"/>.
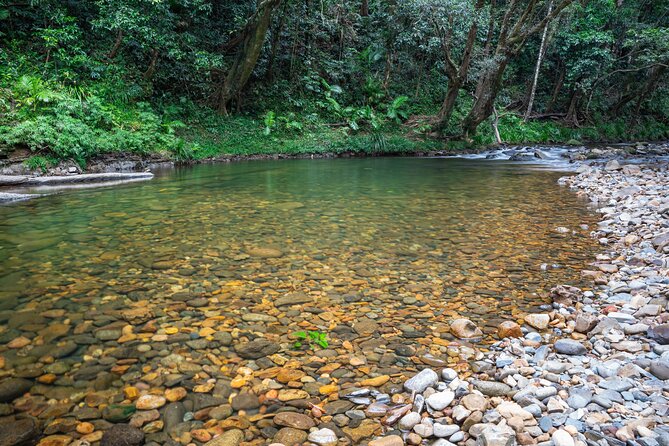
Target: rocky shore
<point x="590" y="369"/>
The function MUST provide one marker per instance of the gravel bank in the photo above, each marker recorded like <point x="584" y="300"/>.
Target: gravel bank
<point x="594" y="370"/>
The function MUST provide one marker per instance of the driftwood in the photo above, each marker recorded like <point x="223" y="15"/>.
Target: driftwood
<point x="26" y="180"/>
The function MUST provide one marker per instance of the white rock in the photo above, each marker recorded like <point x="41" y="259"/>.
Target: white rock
<point x="562" y="438"/>
<point x="323" y="437"/>
<point x="440" y="400"/>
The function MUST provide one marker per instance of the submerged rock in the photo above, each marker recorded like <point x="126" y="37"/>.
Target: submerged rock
<point x="465" y="329"/>
<point x="256" y="349"/>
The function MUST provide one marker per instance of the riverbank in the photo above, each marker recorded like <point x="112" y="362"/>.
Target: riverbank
<point x="18" y="165"/>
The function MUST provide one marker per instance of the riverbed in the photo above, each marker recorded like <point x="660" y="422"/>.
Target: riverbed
<point x="188" y="289"/>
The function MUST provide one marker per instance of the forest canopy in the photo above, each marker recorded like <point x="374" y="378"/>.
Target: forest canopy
<point x="196" y="77"/>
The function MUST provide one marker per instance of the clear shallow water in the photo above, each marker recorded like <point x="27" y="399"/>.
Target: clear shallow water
<point x="382" y="252"/>
<point x="487" y="224"/>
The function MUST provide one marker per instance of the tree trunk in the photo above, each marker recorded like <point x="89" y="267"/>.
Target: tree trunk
<point x="148" y="74"/>
<point x="457" y="75"/>
<point x="117" y="44"/>
<point x="448" y="105"/>
<point x="572" y="112"/>
<point x="247" y="56"/>
<point x="364" y="8"/>
<point x="656" y="74"/>
<point x="556" y="91"/>
<point x="486" y="94"/>
<point x="540" y="58"/>
<point x="639" y="94"/>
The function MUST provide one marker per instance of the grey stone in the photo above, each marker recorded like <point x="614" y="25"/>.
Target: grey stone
<point x="492" y="388"/>
<point x="493" y="435"/>
<point x="12" y="388"/>
<point x="256" y="349"/>
<point x="421" y="381"/>
<point x="444" y="430"/>
<point x="579" y="397"/>
<point x="660" y="368"/>
<point x="570" y="347"/>
<point x="18" y="432"/>
<point x="122" y="435"/>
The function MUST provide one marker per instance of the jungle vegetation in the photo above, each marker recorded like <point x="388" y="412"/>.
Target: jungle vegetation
<point x="196" y="78"/>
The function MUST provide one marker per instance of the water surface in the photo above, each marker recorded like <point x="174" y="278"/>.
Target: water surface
<point x="387" y="252"/>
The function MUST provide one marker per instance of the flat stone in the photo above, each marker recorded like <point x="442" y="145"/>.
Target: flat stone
<point x="293" y="299"/>
<point x="323" y="437"/>
<point x="538" y="321"/>
<point x="585" y="322"/>
<point x="444" y="430"/>
<point x="492" y="388"/>
<point x="229" y="438"/>
<point x="617" y="384"/>
<point x="509" y="409"/>
<point x="570" y="347"/>
<point x="294" y="420"/>
<point x="256" y="349"/>
<point x="19" y="432"/>
<point x="12" y="388"/>
<point x="390" y="440"/>
<point x="264" y="252"/>
<point x="122" y="434"/>
<point x="474" y="401"/>
<point x="660" y="369"/>
<point x="289" y="435"/>
<point x="245" y="401"/>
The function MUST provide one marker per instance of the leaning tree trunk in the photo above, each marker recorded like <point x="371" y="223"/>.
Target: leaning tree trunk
<point x="253" y="38"/>
<point x="486" y="94"/>
<point x="457" y="74"/>
<point x="540" y="58"/>
<point x="448" y="105"/>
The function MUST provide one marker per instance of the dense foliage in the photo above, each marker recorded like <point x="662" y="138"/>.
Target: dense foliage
<point x="199" y="77"/>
